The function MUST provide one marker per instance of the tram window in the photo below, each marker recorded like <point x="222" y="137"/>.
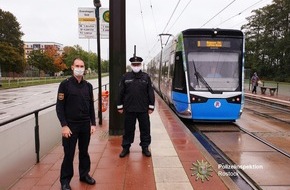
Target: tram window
<point x="179" y="75"/>
<point x="219" y="69"/>
<point x="171" y="65"/>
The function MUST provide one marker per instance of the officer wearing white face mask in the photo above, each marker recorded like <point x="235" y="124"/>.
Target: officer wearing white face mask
<point x="76" y="113"/>
<point x="136" y="100"/>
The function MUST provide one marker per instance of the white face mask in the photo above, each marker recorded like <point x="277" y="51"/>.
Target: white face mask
<point x="79" y="71"/>
<point x="136" y="69"/>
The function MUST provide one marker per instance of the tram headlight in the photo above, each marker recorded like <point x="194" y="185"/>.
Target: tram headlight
<point x="234" y="99"/>
<point x="197" y="99"/>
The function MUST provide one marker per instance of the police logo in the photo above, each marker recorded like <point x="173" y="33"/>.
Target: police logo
<point x="60" y="96"/>
<point x="202" y="170"/>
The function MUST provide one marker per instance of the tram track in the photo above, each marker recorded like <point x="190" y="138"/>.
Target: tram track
<point x="259" y="138"/>
<point x="279" y="112"/>
<point x="264" y="141"/>
<point x="242" y="180"/>
<point x="208" y="133"/>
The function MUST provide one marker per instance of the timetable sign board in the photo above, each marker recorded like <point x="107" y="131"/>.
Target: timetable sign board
<point x="87" y="23"/>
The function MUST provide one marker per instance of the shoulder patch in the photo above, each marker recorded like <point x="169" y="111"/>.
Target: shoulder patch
<point x="60" y="96"/>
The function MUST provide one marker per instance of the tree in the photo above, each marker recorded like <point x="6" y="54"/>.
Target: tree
<point x="267" y="41"/>
<point x="41" y="61"/>
<point x="70" y="53"/>
<point x="11" y="45"/>
<point x="58" y="63"/>
<point x="105" y="66"/>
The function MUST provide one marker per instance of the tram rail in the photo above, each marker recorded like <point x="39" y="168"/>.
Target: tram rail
<point x="282" y="109"/>
<point x="270" y="109"/>
<point x="242" y="180"/>
<point x="264" y="141"/>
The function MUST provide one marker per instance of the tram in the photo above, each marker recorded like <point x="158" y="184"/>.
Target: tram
<point x="200" y="74"/>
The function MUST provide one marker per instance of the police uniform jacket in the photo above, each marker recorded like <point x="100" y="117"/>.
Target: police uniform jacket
<point x="135" y="92"/>
<point x="75" y="102"/>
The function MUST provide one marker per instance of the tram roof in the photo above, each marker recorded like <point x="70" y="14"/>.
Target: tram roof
<point x="212" y="31"/>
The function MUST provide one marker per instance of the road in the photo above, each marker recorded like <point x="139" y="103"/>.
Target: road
<point x="18" y="101"/>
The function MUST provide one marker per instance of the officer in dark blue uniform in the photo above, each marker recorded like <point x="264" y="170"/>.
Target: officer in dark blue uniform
<point x="136" y="99"/>
<point x="76" y="113"/>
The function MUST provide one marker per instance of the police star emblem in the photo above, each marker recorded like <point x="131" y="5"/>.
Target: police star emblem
<point x="201" y="170"/>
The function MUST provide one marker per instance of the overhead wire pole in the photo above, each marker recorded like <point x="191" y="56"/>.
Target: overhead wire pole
<point x="97" y="4"/>
<point x="161" y="54"/>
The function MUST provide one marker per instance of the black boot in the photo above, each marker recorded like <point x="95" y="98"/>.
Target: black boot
<point x="124" y="152"/>
<point x="146" y="152"/>
<point x="65" y="186"/>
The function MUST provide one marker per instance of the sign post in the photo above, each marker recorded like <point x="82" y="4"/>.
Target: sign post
<point x="97" y="4"/>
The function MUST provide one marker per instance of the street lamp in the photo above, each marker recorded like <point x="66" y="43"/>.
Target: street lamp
<point x="97" y="4"/>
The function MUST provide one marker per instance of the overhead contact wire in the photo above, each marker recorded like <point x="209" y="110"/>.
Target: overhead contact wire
<point x="179" y="16"/>
<point x="153" y="17"/>
<point x="240" y="12"/>
<point x="143" y="25"/>
<point x="218" y="13"/>
<point x="171" y="15"/>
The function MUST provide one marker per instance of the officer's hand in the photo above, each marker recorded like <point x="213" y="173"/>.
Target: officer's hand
<point x="150" y="111"/>
<point x="93" y="129"/>
<point x="120" y="111"/>
<point x="66" y="132"/>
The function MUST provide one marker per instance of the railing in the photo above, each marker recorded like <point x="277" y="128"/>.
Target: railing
<point x="28" y="81"/>
<point x="10" y="82"/>
<point x="36" y="128"/>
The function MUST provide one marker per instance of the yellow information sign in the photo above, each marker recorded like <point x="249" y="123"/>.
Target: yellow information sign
<point x="210" y="44"/>
<point x="214" y="44"/>
<point x="87" y="23"/>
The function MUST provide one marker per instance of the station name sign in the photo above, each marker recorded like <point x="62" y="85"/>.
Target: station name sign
<point x="88" y="25"/>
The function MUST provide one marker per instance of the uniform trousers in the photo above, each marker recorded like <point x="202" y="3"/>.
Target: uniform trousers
<point x="81" y="132"/>
<point x="130" y="125"/>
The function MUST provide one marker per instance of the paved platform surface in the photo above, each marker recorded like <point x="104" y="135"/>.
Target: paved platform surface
<point x="280" y="96"/>
<point x="174" y="153"/>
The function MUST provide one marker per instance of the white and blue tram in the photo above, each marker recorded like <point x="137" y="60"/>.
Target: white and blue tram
<point x="200" y="73"/>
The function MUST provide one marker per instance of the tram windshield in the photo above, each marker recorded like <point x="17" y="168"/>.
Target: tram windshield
<point x="213" y="71"/>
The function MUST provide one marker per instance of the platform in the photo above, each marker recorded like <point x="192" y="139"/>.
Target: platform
<point x="174" y="153"/>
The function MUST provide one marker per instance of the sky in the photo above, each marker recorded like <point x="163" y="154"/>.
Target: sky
<point x="57" y="20"/>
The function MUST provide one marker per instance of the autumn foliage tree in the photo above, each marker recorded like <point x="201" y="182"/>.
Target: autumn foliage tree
<point x="58" y="63"/>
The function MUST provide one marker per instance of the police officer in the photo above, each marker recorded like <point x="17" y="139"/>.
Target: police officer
<point x="76" y="113"/>
<point x="136" y="99"/>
